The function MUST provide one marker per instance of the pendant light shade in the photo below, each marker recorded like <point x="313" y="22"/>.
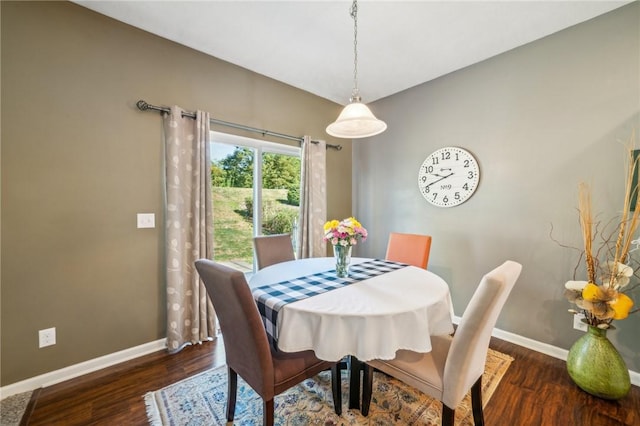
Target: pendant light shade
<point x="356" y="119"/>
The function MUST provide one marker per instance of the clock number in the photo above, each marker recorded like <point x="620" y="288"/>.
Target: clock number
<point x="465" y="186"/>
<point x="446" y="155"/>
<point x="445" y="199"/>
<point x="456" y="196"/>
<point x="466" y="163"/>
<point x="470" y="174"/>
<point x="428" y="169"/>
<point x="434" y="161"/>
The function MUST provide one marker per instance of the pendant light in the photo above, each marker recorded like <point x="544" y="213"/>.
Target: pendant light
<point x="356" y="119"/>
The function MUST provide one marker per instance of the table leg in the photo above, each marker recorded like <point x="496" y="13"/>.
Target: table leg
<point x="355" y="367"/>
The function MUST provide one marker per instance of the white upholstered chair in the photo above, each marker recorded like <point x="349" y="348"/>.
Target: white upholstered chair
<point x="455" y="364"/>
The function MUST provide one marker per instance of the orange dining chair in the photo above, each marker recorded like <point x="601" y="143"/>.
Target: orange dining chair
<point x="455" y="364"/>
<point x="412" y="249"/>
<point x="247" y="349"/>
<point x="272" y="249"/>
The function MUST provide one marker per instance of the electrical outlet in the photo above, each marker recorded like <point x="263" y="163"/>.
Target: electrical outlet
<point x="146" y="220"/>
<point x="577" y="322"/>
<point x="47" y="337"/>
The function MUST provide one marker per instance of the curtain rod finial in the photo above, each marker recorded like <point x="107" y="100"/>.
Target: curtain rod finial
<point x="142" y="105"/>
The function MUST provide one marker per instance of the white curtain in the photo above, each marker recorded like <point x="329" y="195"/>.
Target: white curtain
<point x="189" y="228"/>
<point x="313" y="199"/>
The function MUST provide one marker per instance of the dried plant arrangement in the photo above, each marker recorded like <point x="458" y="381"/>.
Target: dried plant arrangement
<point x="611" y="270"/>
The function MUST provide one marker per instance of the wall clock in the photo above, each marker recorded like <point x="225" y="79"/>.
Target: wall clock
<point x="448" y="176"/>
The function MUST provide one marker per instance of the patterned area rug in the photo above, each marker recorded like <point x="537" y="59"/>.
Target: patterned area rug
<point x="201" y="400"/>
<point x="12" y="408"/>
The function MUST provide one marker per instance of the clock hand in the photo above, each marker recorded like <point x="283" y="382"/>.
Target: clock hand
<point x="442" y="169"/>
<point x="438" y="180"/>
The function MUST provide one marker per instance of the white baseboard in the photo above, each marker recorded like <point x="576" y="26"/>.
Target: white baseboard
<point x="544" y="348"/>
<point x="86" y="367"/>
<point x="82" y="368"/>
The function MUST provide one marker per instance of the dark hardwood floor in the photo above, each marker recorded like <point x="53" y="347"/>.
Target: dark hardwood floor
<point x="536" y="390"/>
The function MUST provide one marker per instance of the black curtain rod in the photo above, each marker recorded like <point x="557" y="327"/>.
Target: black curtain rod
<point x="143" y="106"/>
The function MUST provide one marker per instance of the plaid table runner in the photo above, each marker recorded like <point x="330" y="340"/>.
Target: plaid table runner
<point x="271" y="298"/>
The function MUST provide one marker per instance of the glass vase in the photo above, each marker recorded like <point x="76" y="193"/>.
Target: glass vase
<point x="342" y="255"/>
<point x="596" y="367"/>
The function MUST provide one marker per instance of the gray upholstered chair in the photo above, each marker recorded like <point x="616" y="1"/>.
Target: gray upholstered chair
<point x="412" y="249"/>
<point x="271" y="249"/>
<point x="248" y="352"/>
<point x="455" y="364"/>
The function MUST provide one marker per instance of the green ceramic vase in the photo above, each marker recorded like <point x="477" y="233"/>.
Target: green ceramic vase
<point x="596" y="367"/>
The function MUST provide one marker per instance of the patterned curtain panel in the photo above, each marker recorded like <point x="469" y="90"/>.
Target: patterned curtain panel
<point x="313" y="199"/>
<point x="189" y="228"/>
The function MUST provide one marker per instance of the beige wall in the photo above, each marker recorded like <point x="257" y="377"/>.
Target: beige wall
<point x="79" y="161"/>
<point x="539" y="119"/>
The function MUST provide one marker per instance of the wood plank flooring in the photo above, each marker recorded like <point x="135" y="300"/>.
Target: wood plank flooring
<point x="535" y="391"/>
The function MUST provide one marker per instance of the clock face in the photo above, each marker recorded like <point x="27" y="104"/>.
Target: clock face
<point x="448" y="177"/>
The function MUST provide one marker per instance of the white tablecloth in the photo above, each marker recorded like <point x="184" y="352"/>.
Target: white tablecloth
<point x="370" y="319"/>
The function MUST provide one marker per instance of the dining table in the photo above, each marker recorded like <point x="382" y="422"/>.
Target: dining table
<point x="380" y="307"/>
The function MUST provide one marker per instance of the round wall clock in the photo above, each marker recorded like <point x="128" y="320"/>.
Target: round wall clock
<point x="448" y="176"/>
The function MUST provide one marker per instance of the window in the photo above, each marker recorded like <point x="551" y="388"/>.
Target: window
<point x="251" y="197"/>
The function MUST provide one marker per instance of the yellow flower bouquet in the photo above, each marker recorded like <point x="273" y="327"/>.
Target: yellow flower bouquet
<point x="343" y="235"/>
<point x="346" y="232"/>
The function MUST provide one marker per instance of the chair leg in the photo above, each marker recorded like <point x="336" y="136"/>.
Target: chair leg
<point x="476" y="402"/>
<point x="336" y="387"/>
<point x="448" y="416"/>
<point x="232" y="386"/>
<point x="367" y="388"/>
<point x="267" y="413"/>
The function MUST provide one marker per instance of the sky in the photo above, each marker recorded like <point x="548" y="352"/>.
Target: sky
<point x="220" y="151"/>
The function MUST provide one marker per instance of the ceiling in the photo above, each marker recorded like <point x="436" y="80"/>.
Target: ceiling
<point x="309" y="44"/>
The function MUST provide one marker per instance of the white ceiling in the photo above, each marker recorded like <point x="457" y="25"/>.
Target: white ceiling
<point x="309" y="44"/>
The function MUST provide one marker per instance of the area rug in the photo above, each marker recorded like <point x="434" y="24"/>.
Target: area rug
<point x="12" y="408"/>
<point x="201" y="400"/>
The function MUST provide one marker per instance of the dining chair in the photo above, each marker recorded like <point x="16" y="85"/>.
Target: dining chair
<point x="412" y="249"/>
<point x="455" y="364"/>
<point x="247" y="350"/>
<point x="271" y="249"/>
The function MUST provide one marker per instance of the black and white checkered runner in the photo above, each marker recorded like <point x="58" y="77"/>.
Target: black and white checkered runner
<point x="271" y="298"/>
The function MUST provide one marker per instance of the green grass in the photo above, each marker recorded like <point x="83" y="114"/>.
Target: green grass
<point x="232" y="227"/>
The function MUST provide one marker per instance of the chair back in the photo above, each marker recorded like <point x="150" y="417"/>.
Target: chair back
<point x="272" y="249"/>
<point x="412" y="249"/>
<point x="245" y="340"/>
<point x="467" y="355"/>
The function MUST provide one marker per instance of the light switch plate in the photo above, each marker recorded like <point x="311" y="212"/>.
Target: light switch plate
<point x="146" y="220"/>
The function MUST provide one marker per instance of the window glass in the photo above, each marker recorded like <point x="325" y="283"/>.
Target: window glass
<point x="251" y="197"/>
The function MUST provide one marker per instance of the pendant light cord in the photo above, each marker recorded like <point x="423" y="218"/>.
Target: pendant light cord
<point x="355" y="96"/>
<point x="356" y="119"/>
